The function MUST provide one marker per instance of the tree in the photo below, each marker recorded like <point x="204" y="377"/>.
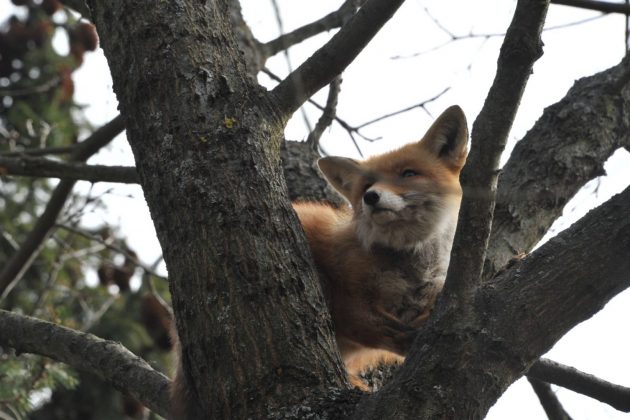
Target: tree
<point x="207" y="138"/>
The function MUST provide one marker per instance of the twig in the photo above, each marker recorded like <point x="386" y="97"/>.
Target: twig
<point x="40" y="151"/>
<point x="568" y="377"/>
<point x="33" y="90"/>
<point x="484" y="36"/>
<point x="42" y="167"/>
<point x="349" y="129"/>
<point x="409" y="108"/>
<point x="328" y="114"/>
<point x="331" y="59"/>
<point x="287" y="57"/>
<point x="19" y="262"/>
<point x="548" y="399"/>
<point x="133" y="258"/>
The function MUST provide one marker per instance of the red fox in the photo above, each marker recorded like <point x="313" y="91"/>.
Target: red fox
<point x="382" y="260"/>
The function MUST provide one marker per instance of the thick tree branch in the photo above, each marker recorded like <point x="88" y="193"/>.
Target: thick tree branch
<point x="332" y="20"/>
<point x="568" y="377"/>
<point x="331" y="59"/>
<point x="602" y="6"/>
<point x="35" y="167"/>
<point x="22" y="259"/>
<point x="566" y="148"/>
<point x="546" y="294"/>
<point x="106" y="359"/>
<point x="548" y="399"/>
<point x="521" y="48"/>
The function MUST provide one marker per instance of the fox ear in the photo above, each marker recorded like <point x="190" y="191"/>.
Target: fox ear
<point x="340" y="172"/>
<point x="448" y="137"/>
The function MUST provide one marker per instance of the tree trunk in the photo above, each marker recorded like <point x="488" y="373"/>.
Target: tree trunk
<point x="206" y="142"/>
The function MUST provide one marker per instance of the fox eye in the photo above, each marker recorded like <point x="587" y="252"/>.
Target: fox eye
<point x="407" y="173"/>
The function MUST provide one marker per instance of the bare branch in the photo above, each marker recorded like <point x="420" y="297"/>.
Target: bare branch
<point x="40" y="151"/>
<point x="568" y="377"/>
<point x="421" y="105"/>
<point x="331" y="21"/>
<point x="602" y="6"/>
<point x="331" y="59"/>
<point x="327" y="116"/>
<point x="552" y="406"/>
<point x="349" y="129"/>
<point x="565" y="149"/>
<point x="107" y="244"/>
<point x="562" y="283"/>
<point x="106" y="359"/>
<point x="22" y="259"/>
<point x="521" y="48"/>
<point x="37" y="167"/>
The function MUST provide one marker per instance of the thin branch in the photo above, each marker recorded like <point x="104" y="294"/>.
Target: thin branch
<point x="484" y="36"/>
<point x="331" y="59"/>
<point x="548" y="399"/>
<point x="19" y="262"/>
<point x="40" y="151"/>
<point x="109" y="245"/>
<point x="602" y="6"/>
<point x="328" y="114"/>
<point x="352" y="130"/>
<point x="520" y="50"/>
<point x="38" y="167"/>
<point x="32" y="90"/>
<point x="287" y="57"/>
<point x="331" y="21"/>
<point x="616" y="396"/>
<point x="349" y="129"/>
<point x="106" y="359"/>
<point x="422" y="105"/>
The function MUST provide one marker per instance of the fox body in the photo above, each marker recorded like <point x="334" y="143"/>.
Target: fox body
<point x="382" y="260"/>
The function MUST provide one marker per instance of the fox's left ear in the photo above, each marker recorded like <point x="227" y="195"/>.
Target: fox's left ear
<point x="448" y="137"/>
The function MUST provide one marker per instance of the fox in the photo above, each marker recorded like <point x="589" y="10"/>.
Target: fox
<point x="382" y="258"/>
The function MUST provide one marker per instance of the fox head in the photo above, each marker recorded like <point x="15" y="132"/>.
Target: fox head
<point x="402" y="198"/>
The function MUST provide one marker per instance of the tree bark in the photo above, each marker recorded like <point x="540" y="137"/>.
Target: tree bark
<point x="520" y="50"/>
<point x="206" y="142"/>
<point x="566" y="148"/>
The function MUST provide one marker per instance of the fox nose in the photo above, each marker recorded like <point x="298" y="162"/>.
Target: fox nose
<point x="371" y="197"/>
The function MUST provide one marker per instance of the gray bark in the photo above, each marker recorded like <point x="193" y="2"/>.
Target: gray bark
<point x="566" y="148"/>
<point x="106" y="359"/>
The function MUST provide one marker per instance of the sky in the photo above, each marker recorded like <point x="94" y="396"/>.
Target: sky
<point x="410" y="61"/>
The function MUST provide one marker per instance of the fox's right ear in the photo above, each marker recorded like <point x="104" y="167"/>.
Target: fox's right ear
<point x="447" y="138"/>
<point x="340" y="172"/>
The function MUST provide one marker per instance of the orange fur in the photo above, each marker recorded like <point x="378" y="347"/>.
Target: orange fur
<point x="382" y="260"/>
